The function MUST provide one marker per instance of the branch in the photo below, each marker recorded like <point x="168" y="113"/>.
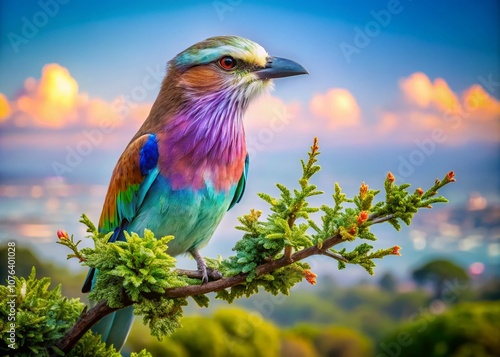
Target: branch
<point x="196" y="274"/>
<point x="88" y="318"/>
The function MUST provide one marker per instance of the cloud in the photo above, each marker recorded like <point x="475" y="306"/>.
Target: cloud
<point x="388" y="123"/>
<point x="478" y="102"/>
<point x="428" y="105"/>
<point x="423" y="106"/>
<point x="49" y="102"/>
<point x="54" y="102"/>
<point x="5" y="110"/>
<point x="337" y="105"/>
<point x="269" y="111"/>
<point x="419" y="89"/>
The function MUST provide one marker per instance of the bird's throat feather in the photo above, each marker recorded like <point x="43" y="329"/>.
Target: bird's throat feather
<point x="205" y="144"/>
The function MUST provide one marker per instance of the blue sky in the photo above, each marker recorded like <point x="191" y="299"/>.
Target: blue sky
<point x="414" y="69"/>
<point x="456" y="40"/>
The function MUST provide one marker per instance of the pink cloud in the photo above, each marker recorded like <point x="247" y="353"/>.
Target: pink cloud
<point x="388" y="123"/>
<point x="338" y="106"/>
<point x="425" y="106"/>
<point x="54" y="101"/>
<point x="419" y="89"/>
<point x="271" y="112"/>
<point x="472" y="116"/>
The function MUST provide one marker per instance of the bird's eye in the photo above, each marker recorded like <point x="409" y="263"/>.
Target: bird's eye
<point x="227" y="62"/>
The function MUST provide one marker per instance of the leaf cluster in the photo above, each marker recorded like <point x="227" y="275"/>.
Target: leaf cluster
<point x="134" y="270"/>
<point x="42" y="317"/>
<point x="264" y="241"/>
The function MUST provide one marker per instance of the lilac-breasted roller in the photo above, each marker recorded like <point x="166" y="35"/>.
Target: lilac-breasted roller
<point x="187" y="165"/>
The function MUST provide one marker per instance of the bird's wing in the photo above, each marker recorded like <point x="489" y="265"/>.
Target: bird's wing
<point x="132" y="178"/>
<point x="240" y="189"/>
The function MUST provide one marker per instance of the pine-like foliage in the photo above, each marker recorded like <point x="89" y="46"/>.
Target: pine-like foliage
<point x="132" y="271"/>
<point x="42" y="318"/>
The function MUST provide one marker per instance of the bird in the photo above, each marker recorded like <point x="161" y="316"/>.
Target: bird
<point x="187" y="165"/>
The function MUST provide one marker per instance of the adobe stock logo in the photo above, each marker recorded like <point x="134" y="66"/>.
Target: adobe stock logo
<point x="363" y="36"/>
<point x="223" y="6"/>
<point x="30" y="26"/>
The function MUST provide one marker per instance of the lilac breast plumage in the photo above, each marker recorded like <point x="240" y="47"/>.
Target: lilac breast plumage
<point x="193" y="160"/>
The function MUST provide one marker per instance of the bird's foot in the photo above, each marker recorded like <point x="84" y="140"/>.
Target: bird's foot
<point x="214" y="274"/>
<point x="206" y="272"/>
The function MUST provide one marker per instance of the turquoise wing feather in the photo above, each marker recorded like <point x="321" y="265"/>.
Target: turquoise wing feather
<point x="240" y="189"/>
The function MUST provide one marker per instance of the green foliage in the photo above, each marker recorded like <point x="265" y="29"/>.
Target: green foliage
<point x="137" y="266"/>
<point x="352" y="223"/>
<point x="334" y="341"/>
<point x="388" y="282"/>
<point x="279" y="281"/>
<point x="248" y="334"/>
<point x="468" y="329"/>
<point x="297" y="346"/>
<point x="92" y="345"/>
<point x="139" y="338"/>
<point x="229" y="332"/>
<point x="163" y="315"/>
<point x="143" y="353"/>
<point x="42" y="317"/>
<point x="201" y="336"/>
<point x="263" y="241"/>
<point x="254" y="249"/>
<point x="439" y="270"/>
<point x="132" y="270"/>
<point x="25" y="261"/>
<point x="71" y="283"/>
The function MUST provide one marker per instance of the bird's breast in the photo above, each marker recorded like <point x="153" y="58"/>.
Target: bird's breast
<point x="199" y="165"/>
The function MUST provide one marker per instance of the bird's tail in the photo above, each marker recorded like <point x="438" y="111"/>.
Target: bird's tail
<point x="114" y="328"/>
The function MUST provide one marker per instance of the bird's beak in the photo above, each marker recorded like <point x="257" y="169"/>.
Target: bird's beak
<point x="277" y="67"/>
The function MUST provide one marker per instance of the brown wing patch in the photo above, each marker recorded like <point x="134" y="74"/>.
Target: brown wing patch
<point x="126" y="174"/>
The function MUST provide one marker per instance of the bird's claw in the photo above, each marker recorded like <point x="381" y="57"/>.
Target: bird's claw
<point x="207" y="273"/>
<point x="214" y="274"/>
<point x="204" y="273"/>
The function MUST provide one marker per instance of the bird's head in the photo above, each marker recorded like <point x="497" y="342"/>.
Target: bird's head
<point x="228" y="67"/>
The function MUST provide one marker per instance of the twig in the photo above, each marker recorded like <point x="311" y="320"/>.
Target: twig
<point x="375" y="220"/>
<point x="288" y="249"/>
<point x="335" y="256"/>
